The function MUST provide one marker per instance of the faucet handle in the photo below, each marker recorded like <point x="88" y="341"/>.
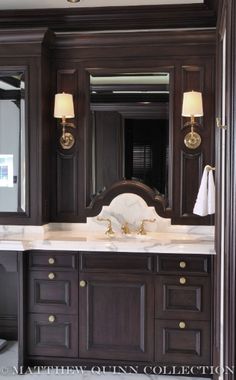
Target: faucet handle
<point x="141" y="230"/>
<point x="109" y="230"/>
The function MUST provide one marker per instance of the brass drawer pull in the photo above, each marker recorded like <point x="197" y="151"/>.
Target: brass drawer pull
<point x="182" y="264"/>
<point x="51" y="276"/>
<point x="51" y="318"/>
<point x="51" y="261"/>
<point x="182" y="280"/>
<point x="182" y="325"/>
<point x="82" y="284"/>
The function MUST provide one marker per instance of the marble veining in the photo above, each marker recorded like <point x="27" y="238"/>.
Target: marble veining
<point x="162" y="237"/>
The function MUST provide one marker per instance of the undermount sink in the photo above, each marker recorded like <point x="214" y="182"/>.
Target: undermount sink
<point x="158" y="236"/>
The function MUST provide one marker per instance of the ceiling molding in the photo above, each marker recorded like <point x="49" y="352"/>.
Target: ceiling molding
<point x="114" y="18"/>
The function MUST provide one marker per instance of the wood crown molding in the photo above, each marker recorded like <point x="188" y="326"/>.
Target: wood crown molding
<point x="26" y="36"/>
<point x="114" y="18"/>
<point x="80" y="40"/>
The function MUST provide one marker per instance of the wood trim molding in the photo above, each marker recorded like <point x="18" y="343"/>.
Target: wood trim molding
<point x="114" y="18"/>
<point x="128" y="186"/>
<point x="79" y="40"/>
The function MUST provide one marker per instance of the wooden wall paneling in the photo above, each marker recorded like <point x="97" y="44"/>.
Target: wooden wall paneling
<point x="199" y="77"/>
<point x="229" y="346"/>
<point x="8" y="306"/>
<point x="101" y="52"/>
<point x="190" y="163"/>
<point x="64" y="191"/>
<point x="217" y="337"/>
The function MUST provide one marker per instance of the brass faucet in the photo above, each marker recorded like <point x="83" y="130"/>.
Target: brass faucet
<point x="109" y="231"/>
<point x="125" y="228"/>
<point x="141" y="230"/>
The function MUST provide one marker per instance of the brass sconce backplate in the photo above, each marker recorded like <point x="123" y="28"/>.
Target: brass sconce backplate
<point x="67" y="140"/>
<point x="192" y="140"/>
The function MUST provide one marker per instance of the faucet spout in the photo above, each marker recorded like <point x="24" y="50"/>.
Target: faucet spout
<point x="125" y="228"/>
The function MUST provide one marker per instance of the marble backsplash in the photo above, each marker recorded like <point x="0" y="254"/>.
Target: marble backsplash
<point x="125" y="208"/>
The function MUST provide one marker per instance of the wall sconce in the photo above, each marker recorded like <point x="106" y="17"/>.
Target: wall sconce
<point x="192" y="107"/>
<point x="64" y="109"/>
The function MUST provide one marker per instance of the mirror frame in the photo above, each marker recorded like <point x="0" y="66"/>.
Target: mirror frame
<point x="10" y="70"/>
<point x="162" y="205"/>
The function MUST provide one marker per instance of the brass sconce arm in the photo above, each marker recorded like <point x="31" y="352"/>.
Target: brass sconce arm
<point x="192" y="139"/>
<point x="67" y="140"/>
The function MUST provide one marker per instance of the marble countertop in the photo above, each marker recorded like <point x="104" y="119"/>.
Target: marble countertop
<point x="153" y="242"/>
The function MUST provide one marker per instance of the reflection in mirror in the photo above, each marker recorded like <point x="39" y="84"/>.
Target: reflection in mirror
<point x="12" y="142"/>
<point x="130" y="129"/>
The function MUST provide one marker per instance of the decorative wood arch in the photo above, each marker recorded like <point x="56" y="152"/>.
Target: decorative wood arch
<point x="129" y="186"/>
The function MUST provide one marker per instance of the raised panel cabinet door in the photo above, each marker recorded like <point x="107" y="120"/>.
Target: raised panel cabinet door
<point x="52" y="291"/>
<point x="183" y="342"/>
<point x="183" y="297"/>
<point x="53" y="335"/>
<point x="116" y="317"/>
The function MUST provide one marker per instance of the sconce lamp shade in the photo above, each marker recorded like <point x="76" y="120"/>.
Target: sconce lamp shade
<point x="192" y="104"/>
<point x="64" y="106"/>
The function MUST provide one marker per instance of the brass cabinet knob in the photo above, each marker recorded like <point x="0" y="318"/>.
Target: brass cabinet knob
<point x="82" y="284"/>
<point x="51" y="260"/>
<point x="51" y="276"/>
<point x="51" y="318"/>
<point x="182" y="264"/>
<point x="182" y="280"/>
<point x="182" y="325"/>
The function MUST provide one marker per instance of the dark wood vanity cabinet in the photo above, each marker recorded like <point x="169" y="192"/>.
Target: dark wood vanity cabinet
<point x="8" y="299"/>
<point x="118" y="308"/>
<point x="116" y="317"/>
<point x="52" y="307"/>
<point x="183" y="310"/>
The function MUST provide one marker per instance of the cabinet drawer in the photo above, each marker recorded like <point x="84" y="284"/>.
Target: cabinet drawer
<point x="183" y="297"/>
<point x="109" y="262"/>
<point x="63" y="261"/>
<point x="183" y="264"/>
<point x="183" y="346"/>
<point x="58" y="338"/>
<point x="58" y="294"/>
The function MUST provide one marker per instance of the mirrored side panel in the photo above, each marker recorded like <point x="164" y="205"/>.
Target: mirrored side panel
<point x="12" y="142"/>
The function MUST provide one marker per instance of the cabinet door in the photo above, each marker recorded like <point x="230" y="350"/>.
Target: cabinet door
<point x="191" y="300"/>
<point x="116" y="317"/>
<point x="57" y="337"/>
<point x="176" y="345"/>
<point x="53" y="292"/>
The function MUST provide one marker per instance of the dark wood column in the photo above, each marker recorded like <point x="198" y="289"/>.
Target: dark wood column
<point x="227" y="19"/>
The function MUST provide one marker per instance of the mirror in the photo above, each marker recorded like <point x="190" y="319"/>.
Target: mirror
<point x="12" y="142"/>
<point x="130" y="129"/>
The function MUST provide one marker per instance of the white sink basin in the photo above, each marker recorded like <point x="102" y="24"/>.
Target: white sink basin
<point x="157" y="236"/>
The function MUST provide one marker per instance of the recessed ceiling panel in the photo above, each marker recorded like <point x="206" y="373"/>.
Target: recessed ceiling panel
<point x="39" y="4"/>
